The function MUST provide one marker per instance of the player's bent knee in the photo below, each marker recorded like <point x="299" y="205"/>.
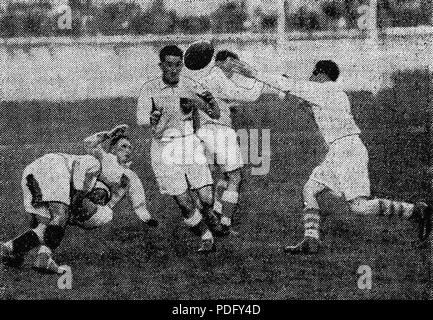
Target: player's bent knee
<point x="312" y="189"/>
<point x="206" y="195"/>
<point x="53" y="236"/>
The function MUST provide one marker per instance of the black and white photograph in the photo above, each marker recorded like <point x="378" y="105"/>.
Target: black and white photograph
<point x="216" y="150"/>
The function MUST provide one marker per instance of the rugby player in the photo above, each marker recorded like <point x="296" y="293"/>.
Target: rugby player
<point x="344" y="171"/>
<point x="168" y="103"/>
<point x="116" y="177"/>
<point x="219" y="136"/>
<point x="51" y="185"/>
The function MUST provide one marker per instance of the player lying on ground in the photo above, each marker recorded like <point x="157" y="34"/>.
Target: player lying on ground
<point x="220" y="138"/>
<point x="51" y="185"/>
<point x="115" y="174"/>
<point x="169" y="103"/>
<point x="345" y="168"/>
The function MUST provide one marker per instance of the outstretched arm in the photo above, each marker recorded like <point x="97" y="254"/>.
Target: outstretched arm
<point x="130" y="184"/>
<point x="307" y="90"/>
<point x="138" y="200"/>
<point x="93" y="143"/>
<point x="226" y="88"/>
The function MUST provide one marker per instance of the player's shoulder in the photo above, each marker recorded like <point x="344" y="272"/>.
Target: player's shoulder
<point x="151" y="84"/>
<point x="188" y="82"/>
<point x="87" y="160"/>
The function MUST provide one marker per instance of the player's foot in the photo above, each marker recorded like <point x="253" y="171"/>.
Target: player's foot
<point x="207" y="245"/>
<point x="152" y="223"/>
<point x="215" y="225"/>
<point x="308" y="245"/>
<point x="422" y="214"/>
<point x="229" y="231"/>
<point x="8" y="257"/>
<point x="45" y="264"/>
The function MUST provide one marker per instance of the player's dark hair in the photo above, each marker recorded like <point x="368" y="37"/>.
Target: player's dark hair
<point x="116" y="139"/>
<point x="328" y="67"/>
<point x="224" y="54"/>
<point x="170" y="50"/>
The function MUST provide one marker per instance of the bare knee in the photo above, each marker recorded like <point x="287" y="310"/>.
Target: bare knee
<point x="310" y="191"/>
<point x="206" y="195"/>
<point x="234" y="179"/>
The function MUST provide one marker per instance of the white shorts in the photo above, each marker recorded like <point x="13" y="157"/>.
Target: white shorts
<point x="345" y="168"/>
<point x="180" y="164"/>
<point x="221" y="143"/>
<point x="52" y="184"/>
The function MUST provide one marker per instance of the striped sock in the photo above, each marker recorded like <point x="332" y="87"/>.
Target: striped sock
<point x="230" y="202"/>
<point x="401" y="209"/>
<point x="311" y="223"/>
<point x="220" y="186"/>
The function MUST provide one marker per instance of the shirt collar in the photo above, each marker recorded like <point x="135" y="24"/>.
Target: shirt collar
<point x="163" y="85"/>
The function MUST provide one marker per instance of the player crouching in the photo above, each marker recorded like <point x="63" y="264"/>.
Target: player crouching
<point x="116" y="179"/>
<point x="51" y="185"/>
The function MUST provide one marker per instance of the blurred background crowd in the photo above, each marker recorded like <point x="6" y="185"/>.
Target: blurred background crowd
<point x="23" y="18"/>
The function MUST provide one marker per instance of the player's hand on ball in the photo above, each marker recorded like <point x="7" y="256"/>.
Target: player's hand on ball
<point x="212" y="108"/>
<point x="206" y="96"/>
<point x="154" y="117"/>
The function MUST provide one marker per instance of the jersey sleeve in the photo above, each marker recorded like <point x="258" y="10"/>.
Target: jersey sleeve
<point x="217" y="83"/>
<point x="92" y="144"/>
<point x="137" y="196"/>
<point x="85" y="170"/>
<point x="307" y="90"/>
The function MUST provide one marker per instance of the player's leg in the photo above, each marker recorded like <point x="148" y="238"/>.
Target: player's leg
<point x="47" y="234"/>
<point x="205" y="196"/>
<point x="229" y="200"/>
<point x="419" y="212"/>
<point x="355" y="184"/>
<point x="229" y="158"/>
<point x="54" y="232"/>
<point x="311" y="220"/>
<point x="194" y="220"/>
<point x="14" y="250"/>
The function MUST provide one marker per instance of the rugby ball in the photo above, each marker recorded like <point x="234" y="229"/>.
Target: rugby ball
<point x="198" y="55"/>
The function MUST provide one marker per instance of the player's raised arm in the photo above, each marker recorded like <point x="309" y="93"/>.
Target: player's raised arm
<point x="312" y="91"/>
<point x="145" y="106"/>
<point x="149" y="112"/>
<point x="93" y="143"/>
<point x="224" y="86"/>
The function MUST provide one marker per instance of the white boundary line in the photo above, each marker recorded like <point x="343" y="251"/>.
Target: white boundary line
<point x="242" y="37"/>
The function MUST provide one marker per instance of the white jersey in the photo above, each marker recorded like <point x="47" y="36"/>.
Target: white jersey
<point x="227" y="93"/>
<point x="111" y="175"/>
<point x="157" y="95"/>
<point x="330" y="105"/>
